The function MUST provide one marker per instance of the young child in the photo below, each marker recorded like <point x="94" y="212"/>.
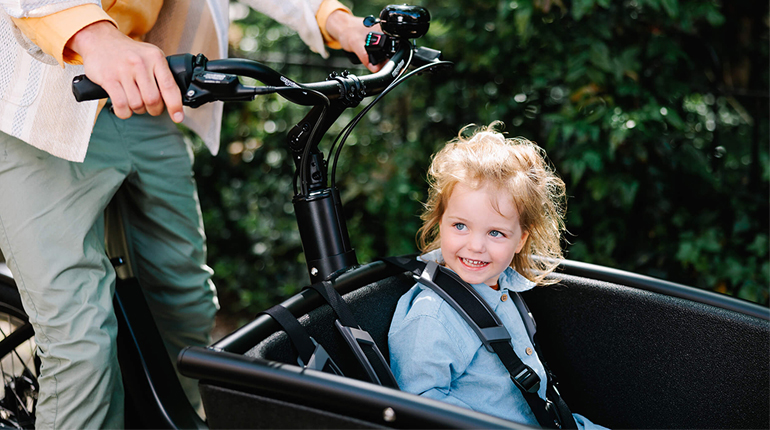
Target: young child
<point x="493" y="204"/>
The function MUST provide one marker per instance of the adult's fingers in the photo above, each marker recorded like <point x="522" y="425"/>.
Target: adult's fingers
<point x="363" y="56"/>
<point x="150" y="94"/>
<point x="169" y="91"/>
<point x="118" y="98"/>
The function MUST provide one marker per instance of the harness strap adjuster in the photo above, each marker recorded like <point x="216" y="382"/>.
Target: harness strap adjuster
<point x="429" y="272"/>
<point x="527" y="380"/>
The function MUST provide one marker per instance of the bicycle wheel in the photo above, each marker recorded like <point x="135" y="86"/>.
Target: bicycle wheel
<point x="19" y="363"/>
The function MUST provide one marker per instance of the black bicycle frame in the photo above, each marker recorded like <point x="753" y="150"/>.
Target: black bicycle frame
<point x="154" y="396"/>
<point x="321" y="222"/>
<point x="151" y="384"/>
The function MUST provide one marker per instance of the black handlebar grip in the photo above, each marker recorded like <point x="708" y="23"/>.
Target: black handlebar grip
<point x="84" y="89"/>
<point x="181" y="66"/>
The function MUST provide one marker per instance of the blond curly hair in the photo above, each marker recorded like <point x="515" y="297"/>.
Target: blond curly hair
<point x="517" y="167"/>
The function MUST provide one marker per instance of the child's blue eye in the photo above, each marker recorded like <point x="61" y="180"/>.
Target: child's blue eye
<point x="495" y="233"/>
<point x="460" y="226"/>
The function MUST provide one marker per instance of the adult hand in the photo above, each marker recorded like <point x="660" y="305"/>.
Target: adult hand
<point x="134" y="74"/>
<point x="350" y="31"/>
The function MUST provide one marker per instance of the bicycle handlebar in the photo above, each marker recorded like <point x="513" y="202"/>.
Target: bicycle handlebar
<point x="202" y="80"/>
<point x="317" y="205"/>
<point x="337" y="86"/>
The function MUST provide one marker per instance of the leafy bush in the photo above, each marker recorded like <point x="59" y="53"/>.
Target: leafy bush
<point x="655" y="113"/>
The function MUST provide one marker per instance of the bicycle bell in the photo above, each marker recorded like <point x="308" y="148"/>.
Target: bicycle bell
<point x="405" y="21"/>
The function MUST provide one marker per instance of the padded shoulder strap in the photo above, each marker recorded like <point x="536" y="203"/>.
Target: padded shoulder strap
<point x="526" y="315"/>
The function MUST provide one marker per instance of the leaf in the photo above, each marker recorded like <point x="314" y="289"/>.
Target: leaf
<point x="600" y="56"/>
<point x="568" y="130"/>
<point x="628" y="192"/>
<point x="673" y="118"/>
<point x="654" y="4"/>
<point x="686" y="253"/>
<point x="581" y="8"/>
<point x="522" y="21"/>
<point x="598" y="187"/>
<point x="617" y="137"/>
<point x="715" y="18"/>
<point x="593" y="160"/>
<point x="671" y="7"/>
<point x="627" y="63"/>
<point x="759" y="245"/>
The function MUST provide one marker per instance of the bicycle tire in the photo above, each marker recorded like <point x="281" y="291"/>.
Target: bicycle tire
<point x="19" y="362"/>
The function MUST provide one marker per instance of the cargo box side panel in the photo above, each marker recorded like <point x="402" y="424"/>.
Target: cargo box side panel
<point x="629" y="358"/>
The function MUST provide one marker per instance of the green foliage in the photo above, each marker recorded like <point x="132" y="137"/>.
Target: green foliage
<point x="655" y="113"/>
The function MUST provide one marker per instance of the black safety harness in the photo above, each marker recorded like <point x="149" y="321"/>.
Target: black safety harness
<point x="313" y="356"/>
<point x="550" y="413"/>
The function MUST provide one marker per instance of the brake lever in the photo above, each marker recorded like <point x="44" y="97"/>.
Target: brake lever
<point x="205" y="86"/>
<point x="198" y="85"/>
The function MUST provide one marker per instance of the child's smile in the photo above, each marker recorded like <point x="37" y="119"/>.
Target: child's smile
<point x="473" y="263"/>
<point x="480" y="233"/>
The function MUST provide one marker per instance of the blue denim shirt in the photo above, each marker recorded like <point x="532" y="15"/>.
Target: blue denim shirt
<point x="434" y="352"/>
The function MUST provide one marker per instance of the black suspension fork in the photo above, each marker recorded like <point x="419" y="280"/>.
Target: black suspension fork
<point x="317" y="206"/>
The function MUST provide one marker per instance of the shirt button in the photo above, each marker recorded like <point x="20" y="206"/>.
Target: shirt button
<point x="528" y="351"/>
<point x="504" y="297"/>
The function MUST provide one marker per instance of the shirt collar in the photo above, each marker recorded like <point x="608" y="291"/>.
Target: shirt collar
<point x="514" y="281"/>
<point x="509" y="279"/>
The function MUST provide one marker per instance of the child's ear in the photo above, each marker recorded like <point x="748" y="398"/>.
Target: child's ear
<point x="524" y="236"/>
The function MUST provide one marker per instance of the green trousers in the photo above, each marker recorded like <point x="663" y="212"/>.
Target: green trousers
<point x="52" y="235"/>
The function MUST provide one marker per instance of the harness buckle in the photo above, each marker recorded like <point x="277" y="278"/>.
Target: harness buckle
<point x="527" y="380"/>
<point x="550" y="408"/>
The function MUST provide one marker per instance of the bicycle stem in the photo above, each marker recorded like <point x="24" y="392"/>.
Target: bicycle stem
<point x="324" y="233"/>
<point x="317" y="207"/>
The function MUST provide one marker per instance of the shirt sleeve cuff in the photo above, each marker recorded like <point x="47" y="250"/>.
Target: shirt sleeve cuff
<point x="326" y="9"/>
<point x="52" y="32"/>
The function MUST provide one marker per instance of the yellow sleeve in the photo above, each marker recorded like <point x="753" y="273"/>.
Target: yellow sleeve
<point x="52" y="32"/>
<point x="134" y="18"/>
<point x="326" y="9"/>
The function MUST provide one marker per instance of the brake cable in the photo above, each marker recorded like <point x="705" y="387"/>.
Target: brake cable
<point x="349" y="128"/>
<point x="302" y="171"/>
